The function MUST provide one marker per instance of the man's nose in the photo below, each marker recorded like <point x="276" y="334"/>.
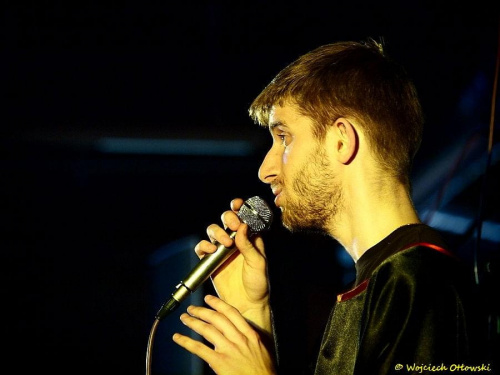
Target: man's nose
<point x="270" y="167"/>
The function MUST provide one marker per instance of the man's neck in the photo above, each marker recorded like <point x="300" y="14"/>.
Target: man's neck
<point x="369" y="217"/>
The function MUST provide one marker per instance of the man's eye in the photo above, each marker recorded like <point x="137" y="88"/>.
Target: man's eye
<point x="282" y="137"/>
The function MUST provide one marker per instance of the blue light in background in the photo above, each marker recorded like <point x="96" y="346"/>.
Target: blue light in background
<point x="190" y="147"/>
<point x="457" y="224"/>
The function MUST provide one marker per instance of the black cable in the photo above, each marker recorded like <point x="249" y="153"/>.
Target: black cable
<point x="487" y="167"/>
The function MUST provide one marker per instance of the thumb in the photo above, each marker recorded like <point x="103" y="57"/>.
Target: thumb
<point x="250" y="246"/>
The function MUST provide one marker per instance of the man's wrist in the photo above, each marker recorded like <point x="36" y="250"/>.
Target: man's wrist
<point x="260" y="319"/>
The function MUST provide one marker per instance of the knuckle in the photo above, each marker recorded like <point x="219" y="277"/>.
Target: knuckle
<point x="195" y="346"/>
<point x="201" y="312"/>
<point x="230" y="219"/>
<point x="229" y="309"/>
<point x="203" y="247"/>
<point x="252" y="335"/>
<point x="211" y="228"/>
<point x="236" y="203"/>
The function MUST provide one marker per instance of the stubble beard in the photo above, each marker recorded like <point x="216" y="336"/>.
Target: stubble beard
<point x="317" y="197"/>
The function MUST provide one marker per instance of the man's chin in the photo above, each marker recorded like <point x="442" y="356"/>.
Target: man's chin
<point x="298" y="227"/>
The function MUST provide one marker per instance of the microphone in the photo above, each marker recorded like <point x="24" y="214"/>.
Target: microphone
<point x="254" y="212"/>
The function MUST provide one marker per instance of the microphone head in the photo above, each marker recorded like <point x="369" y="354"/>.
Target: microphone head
<point x="257" y="214"/>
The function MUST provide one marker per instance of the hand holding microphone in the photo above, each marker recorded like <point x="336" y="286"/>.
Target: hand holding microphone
<point x="247" y="268"/>
<point x="238" y="324"/>
<point x="241" y="282"/>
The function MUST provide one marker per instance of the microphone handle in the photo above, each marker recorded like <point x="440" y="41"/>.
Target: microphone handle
<point x="198" y="275"/>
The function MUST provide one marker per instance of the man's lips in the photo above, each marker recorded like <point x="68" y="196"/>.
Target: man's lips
<point x="276" y="191"/>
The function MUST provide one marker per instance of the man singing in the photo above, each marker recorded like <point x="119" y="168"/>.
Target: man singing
<point x="346" y="123"/>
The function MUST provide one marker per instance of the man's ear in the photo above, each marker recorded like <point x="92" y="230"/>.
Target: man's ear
<point x="347" y="141"/>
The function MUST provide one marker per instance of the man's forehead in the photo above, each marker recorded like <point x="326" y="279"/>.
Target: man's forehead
<point x="283" y="113"/>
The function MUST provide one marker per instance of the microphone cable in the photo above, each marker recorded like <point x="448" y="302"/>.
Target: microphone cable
<point x="149" y="350"/>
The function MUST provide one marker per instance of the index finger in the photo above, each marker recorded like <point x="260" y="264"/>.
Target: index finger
<point x="236" y="204"/>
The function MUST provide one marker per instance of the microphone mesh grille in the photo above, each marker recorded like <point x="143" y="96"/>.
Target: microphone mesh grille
<point x="257" y="214"/>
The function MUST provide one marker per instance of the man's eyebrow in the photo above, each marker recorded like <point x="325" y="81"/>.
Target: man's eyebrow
<point x="272" y="125"/>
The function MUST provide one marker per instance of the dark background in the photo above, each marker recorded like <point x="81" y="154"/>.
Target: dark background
<point x="85" y="213"/>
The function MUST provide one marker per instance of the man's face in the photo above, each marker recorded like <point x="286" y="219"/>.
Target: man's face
<point x="299" y="169"/>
